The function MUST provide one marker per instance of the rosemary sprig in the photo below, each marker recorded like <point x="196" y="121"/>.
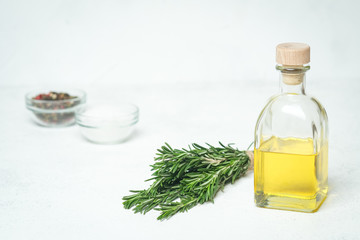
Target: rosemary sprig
<point x="184" y="178"/>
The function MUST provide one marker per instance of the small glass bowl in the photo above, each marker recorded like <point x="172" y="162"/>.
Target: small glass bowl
<point x="107" y="124"/>
<point x="54" y="113"/>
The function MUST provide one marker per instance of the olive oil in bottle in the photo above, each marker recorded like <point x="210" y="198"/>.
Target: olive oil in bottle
<point x="291" y="140"/>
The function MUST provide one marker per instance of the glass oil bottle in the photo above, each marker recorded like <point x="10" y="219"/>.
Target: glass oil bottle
<point x="291" y="140"/>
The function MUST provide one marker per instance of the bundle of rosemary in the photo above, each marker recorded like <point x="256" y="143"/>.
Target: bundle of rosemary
<point x="184" y="178"/>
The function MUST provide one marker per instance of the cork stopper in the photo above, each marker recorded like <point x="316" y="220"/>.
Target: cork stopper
<point x="292" y="79"/>
<point x="293" y="54"/>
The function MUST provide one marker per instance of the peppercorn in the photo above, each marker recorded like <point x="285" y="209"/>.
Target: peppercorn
<point x="55" y="101"/>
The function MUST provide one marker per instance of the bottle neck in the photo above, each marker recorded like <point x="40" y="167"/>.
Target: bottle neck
<point x="292" y="78"/>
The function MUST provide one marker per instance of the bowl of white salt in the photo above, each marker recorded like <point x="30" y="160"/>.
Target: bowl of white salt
<point x="107" y="124"/>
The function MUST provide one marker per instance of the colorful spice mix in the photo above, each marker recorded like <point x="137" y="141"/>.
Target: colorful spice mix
<point x="58" y="102"/>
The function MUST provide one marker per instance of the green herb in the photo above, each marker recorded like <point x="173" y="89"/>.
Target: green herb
<point x="184" y="178"/>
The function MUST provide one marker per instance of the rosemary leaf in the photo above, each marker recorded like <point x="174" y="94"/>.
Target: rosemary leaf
<point x="183" y="178"/>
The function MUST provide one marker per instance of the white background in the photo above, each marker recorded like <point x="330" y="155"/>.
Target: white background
<point x="200" y="71"/>
<point x="127" y="42"/>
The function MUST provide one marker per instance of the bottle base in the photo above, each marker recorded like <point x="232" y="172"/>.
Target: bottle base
<point x="290" y="203"/>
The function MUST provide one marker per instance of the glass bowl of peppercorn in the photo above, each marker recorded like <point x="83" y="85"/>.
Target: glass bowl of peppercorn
<point x="54" y="108"/>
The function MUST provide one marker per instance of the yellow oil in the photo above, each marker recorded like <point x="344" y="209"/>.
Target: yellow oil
<point x="289" y="175"/>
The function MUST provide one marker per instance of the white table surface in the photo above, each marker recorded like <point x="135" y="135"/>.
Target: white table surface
<point x="56" y="185"/>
